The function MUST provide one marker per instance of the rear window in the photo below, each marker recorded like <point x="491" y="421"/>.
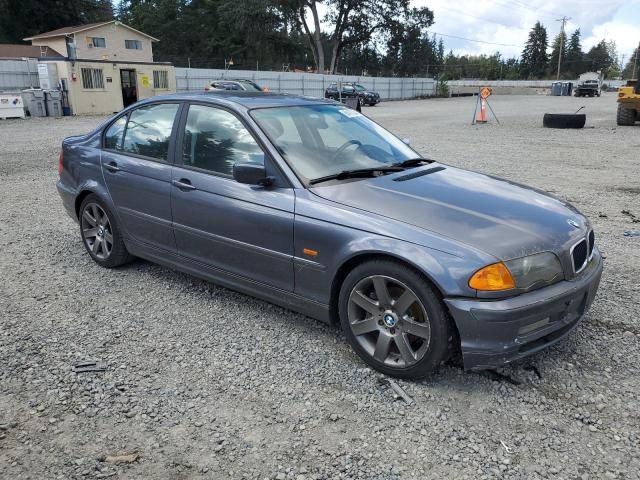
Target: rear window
<point x="148" y="131"/>
<point x="115" y="133"/>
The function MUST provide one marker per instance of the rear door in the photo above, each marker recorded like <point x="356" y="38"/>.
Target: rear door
<point x="246" y="230"/>
<point x="136" y="164"/>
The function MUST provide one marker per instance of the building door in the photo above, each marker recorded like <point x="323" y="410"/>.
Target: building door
<point x="129" y="87"/>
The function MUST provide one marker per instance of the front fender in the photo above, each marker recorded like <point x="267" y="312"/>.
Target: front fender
<point x="330" y="237"/>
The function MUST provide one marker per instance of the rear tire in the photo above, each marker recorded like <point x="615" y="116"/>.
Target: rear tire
<point x="394" y="320"/>
<point x="101" y="234"/>
<point x="626" y="116"/>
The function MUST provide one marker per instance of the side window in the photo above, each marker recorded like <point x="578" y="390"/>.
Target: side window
<point x="113" y="136"/>
<point x="149" y="130"/>
<point x="215" y="139"/>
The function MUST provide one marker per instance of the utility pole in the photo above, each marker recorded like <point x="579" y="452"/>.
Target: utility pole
<point x="564" y="21"/>
<point x="635" y="62"/>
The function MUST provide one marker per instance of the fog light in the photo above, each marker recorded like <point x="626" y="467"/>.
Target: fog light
<point x="533" y="326"/>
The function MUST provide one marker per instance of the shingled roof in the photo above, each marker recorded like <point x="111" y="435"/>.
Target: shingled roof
<point x="81" y="28"/>
<point x="10" y="50"/>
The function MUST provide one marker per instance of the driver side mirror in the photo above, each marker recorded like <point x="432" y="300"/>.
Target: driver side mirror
<point x="251" y="174"/>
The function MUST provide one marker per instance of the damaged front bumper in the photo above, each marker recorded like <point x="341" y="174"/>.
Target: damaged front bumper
<point x="496" y="332"/>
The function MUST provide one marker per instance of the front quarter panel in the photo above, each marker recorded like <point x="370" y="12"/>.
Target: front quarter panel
<point x="340" y="233"/>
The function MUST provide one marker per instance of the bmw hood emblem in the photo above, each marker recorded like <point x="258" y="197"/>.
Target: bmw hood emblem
<point x="573" y="223"/>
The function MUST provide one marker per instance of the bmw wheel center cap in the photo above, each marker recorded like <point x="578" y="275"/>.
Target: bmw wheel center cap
<point x="389" y="320"/>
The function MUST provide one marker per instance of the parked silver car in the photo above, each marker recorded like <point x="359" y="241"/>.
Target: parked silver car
<point x="313" y="206"/>
<point x="238" y="85"/>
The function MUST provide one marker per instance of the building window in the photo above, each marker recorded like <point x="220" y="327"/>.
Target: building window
<point x="160" y="79"/>
<point x="133" y="44"/>
<point x="98" y="42"/>
<point x="92" y="79"/>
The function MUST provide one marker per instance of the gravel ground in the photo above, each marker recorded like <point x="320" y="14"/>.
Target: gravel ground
<point x="203" y="382"/>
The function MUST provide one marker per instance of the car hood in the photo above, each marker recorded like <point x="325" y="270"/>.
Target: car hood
<point x="502" y="218"/>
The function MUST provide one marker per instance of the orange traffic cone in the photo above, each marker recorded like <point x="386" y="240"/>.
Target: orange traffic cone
<point x="482" y="114"/>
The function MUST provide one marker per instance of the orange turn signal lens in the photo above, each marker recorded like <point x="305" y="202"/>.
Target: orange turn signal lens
<point x="492" y="278"/>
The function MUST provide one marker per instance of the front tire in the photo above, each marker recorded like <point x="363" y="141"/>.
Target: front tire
<point x="394" y="320"/>
<point x="101" y="234"/>
<point x="626" y="116"/>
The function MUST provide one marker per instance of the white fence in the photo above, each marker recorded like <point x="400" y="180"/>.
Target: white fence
<point x="310" y="84"/>
<point x="520" y="83"/>
<point x="16" y="75"/>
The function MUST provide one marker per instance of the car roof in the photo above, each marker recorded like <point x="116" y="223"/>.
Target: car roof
<point x="245" y="99"/>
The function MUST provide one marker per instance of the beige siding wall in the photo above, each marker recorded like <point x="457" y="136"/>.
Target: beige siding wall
<point x="114" y="36"/>
<point x="58" y="44"/>
<point x="109" y="99"/>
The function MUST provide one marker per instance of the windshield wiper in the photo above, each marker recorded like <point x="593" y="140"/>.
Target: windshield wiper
<point x="360" y="172"/>
<point x="413" y="162"/>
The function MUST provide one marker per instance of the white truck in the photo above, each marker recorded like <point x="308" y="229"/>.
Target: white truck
<point x="589" y="85"/>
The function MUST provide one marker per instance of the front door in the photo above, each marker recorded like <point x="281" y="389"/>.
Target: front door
<point x="246" y="230"/>
<point x="129" y="87"/>
<point x="136" y="165"/>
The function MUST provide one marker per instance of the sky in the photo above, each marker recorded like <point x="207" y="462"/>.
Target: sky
<point x="508" y="22"/>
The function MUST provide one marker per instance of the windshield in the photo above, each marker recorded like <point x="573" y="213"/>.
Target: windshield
<point x="322" y="140"/>
<point x="360" y="88"/>
<point x="249" y="85"/>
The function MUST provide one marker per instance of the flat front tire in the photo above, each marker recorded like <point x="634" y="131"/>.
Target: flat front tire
<point x="101" y="234"/>
<point x="394" y="320"/>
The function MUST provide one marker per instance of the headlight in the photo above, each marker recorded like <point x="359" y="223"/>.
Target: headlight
<point x="522" y="273"/>
<point x="535" y="270"/>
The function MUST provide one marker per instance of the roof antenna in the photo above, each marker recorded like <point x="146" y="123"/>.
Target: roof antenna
<point x="579" y="109"/>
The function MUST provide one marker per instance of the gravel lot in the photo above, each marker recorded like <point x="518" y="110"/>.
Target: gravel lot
<point x="203" y="382"/>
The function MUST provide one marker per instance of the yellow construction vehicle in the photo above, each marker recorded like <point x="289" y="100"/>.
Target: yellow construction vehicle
<point x="629" y="103"/>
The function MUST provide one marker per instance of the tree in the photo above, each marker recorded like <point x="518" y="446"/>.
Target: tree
<point x="559" y="45"/>
<point x="24" y="18"/>
<point x="627" y="73"/>
<point x="352" y="22"/>
<point x="599" y="58"/>
<point x="575" y="56"/>
<point x="535" y="61"/>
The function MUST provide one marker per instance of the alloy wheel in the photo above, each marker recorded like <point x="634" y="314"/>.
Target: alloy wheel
<point x="96" y="231"/>
<point x="389" y="321"/>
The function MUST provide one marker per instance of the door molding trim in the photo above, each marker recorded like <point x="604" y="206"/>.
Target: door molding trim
<point x="235" y="243"/>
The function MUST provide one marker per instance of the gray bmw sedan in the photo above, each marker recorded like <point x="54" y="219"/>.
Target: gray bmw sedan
<point x="310" y="205"/>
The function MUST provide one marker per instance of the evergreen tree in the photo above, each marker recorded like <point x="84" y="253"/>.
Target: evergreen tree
<point x="575" y="56"/>
<point x="627" y="73"/>
<point x="559" y="45"/>
<point x="599" y="58"/>
<point x="535" y="60"/>
<point x="24" y="18"/>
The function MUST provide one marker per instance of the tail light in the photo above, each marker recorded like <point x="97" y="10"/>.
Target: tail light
<point x="207" y="88"/>
<point x="61" y="162"/>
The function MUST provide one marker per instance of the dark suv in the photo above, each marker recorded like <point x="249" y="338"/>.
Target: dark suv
<point x="352" y="90"/>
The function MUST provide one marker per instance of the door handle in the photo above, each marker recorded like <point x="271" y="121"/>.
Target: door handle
<point x="112" y="167"/>
<point x="183" y="184"/>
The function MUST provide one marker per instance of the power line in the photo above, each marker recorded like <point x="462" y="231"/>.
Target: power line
<point x="477" y="41"/>
<point x="510" y="4"/>
<point x="456" y="11"/>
